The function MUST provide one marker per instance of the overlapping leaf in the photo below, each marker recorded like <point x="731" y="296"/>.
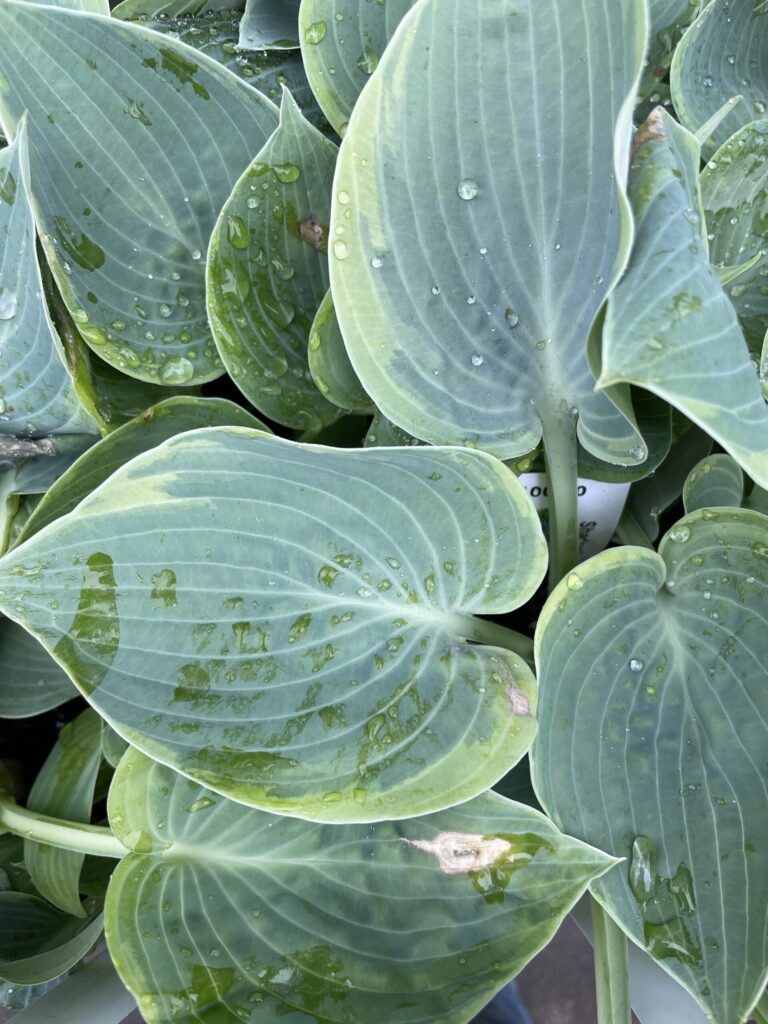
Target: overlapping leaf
<point x="419" y="920"/>
<point x="64" y="788"/>
<point x="30" y="680"/>
<point x="734" y="190"/>
<point x="133" y="10"/>
<point x="128" y="186"/>
<point x="277" y="621"/>
<point x="722" y="55"/>
<point x="716" y="482"/>
<point x="466" y="285"/>
<point x="268" y="272"/>
<point x="270" y="25"/>
<point x="675" y="333"/>
<point x="342" y="42"/>
<point x="653" y="710"/>
<point x="151" y="428"/>
<point x="668" y="20"/>
<point x="37" y="396"/>
<point x="329" y="362"/>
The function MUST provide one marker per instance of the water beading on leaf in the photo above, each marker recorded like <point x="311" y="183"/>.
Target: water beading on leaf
<point x="652" y="739"/>
<point x="268" y="272"/>
<point x="676" y="334"/>
<point x="278" y="621"/>
<point x="347" y="924"/>
<point x="37" y="395"/>
<point x="466" y="284"/>
<point x="128" y="188"/>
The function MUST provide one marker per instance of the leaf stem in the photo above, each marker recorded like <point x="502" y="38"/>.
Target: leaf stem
<point x="611" y="968"/>
<point x="484" y="632"/>
<point x="66" y="835"/>
<point x="561" y="459"/>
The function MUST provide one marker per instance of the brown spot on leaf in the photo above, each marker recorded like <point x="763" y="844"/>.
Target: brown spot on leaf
<point x="313" y="233"/>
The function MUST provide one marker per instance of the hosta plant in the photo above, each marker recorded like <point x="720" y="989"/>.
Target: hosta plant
<point x="383" y="501"/>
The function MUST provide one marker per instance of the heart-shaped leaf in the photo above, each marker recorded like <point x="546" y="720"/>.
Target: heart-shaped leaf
<point x="37" y="396"/>
<point x="652" y="739"/>
<point x="276" y="621"/>
<point x="270" y="25"/>
<point x="268" y="272"/>
<point x="677" y="335"/>
<point x="64" y="788"/>
<point x="418" y="920"/>
<point x="151" y="428"/>
<point x="342" y="42"/>
<point x="734" y="191"/>
<point x="329" y="362"/>
<point x="466" y="296"/>
<point x="128" y="188"/>
<point x="716" y="482"/>
<point x="722" y="55"/>
<point x="30" y="680"/>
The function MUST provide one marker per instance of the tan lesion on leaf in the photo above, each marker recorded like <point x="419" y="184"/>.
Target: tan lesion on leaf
<point x="460" y="853"/>
<point x="519" y="702"/>
<point x="652" y="130"/>
<point x="313" y="233"/>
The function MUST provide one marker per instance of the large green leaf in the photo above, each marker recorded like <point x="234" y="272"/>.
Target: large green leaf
<point x="676" y="333"/>
<point x="128" y="188"/>
<point x="37" y="396"/>
<point x="135" y="10"/>
<point x="276" y="620"/>
<point x="39" y="942"/>
<point x="734" y="191"/>
<point x="64" y="788"/>
<point x="466" y="285"/>
<point x="418" y="920"/>
<point x="30" y="680"/>
<point x="652" y="718"/>
<point x="329" y="362"/>
<point x="268" y="272"/>
<point x="151" y="428"/>
<point x="722" y="55"/>
<point x="342" y="42"/>
<point x="270" y="24"/>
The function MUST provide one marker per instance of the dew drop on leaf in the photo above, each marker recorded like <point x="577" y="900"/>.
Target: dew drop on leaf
<point x="467" y="188"/>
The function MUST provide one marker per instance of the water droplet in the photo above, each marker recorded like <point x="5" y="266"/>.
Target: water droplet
<point x="575" y="582"/>
<point x="368" y="61"/>
<point x="708" y="81"/>
<point x="164" y="310"/>
<point x="635" y="665"/>
<point x="511" y="318"/>
<point x="680" y="533"/>
<point x="435" y="290"/>
<point x="177" y="370"/>
<point x="377" y="262"/>
<point x="237" y="232"/>
<point x="638" y="453"/>
<point x="196" y="254"/>
<point x="471" y="300"/>
<point x="8" y="304"/>
<point x="731" y="58"/>
<point x="477" y="360"/>
<point x="340" y="249"/>
<point x="467" y="188"/>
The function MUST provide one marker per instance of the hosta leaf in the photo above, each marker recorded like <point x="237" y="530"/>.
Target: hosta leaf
<point x="466" y="296"/>
<point x="342" y="42"/>
<point x="30" y="680"/>
<point x="715" y="482"/>
<point x="734" y="190"/>
<point x="654" y="420"/>
<point x="329" y="362"/>
<point x="268" y="272"/>
<point x="216" y="33"/>
<point x="722" y="55"/>
<point x="128" y="189"/>
<point x="151" y="428"/>
<point x="39" y="942"/>
<point x="64" y="788"/>
<point x="133" y="10"/>
<point x="274" y="619"/>
<point x="113" y="746"/>
<point x="418" y="920"/>
<point x="668" y="20"/>
<point x="270" y="24"/>
<point x="37" y="396"/>
<point x="383" y="433"/>
<point x="652" y="739"/>
<point x="677" y="334"/>
<point x="121" y="398"/>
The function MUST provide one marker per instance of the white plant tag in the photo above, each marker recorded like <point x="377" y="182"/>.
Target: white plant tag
<point x="600" y="508"/>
